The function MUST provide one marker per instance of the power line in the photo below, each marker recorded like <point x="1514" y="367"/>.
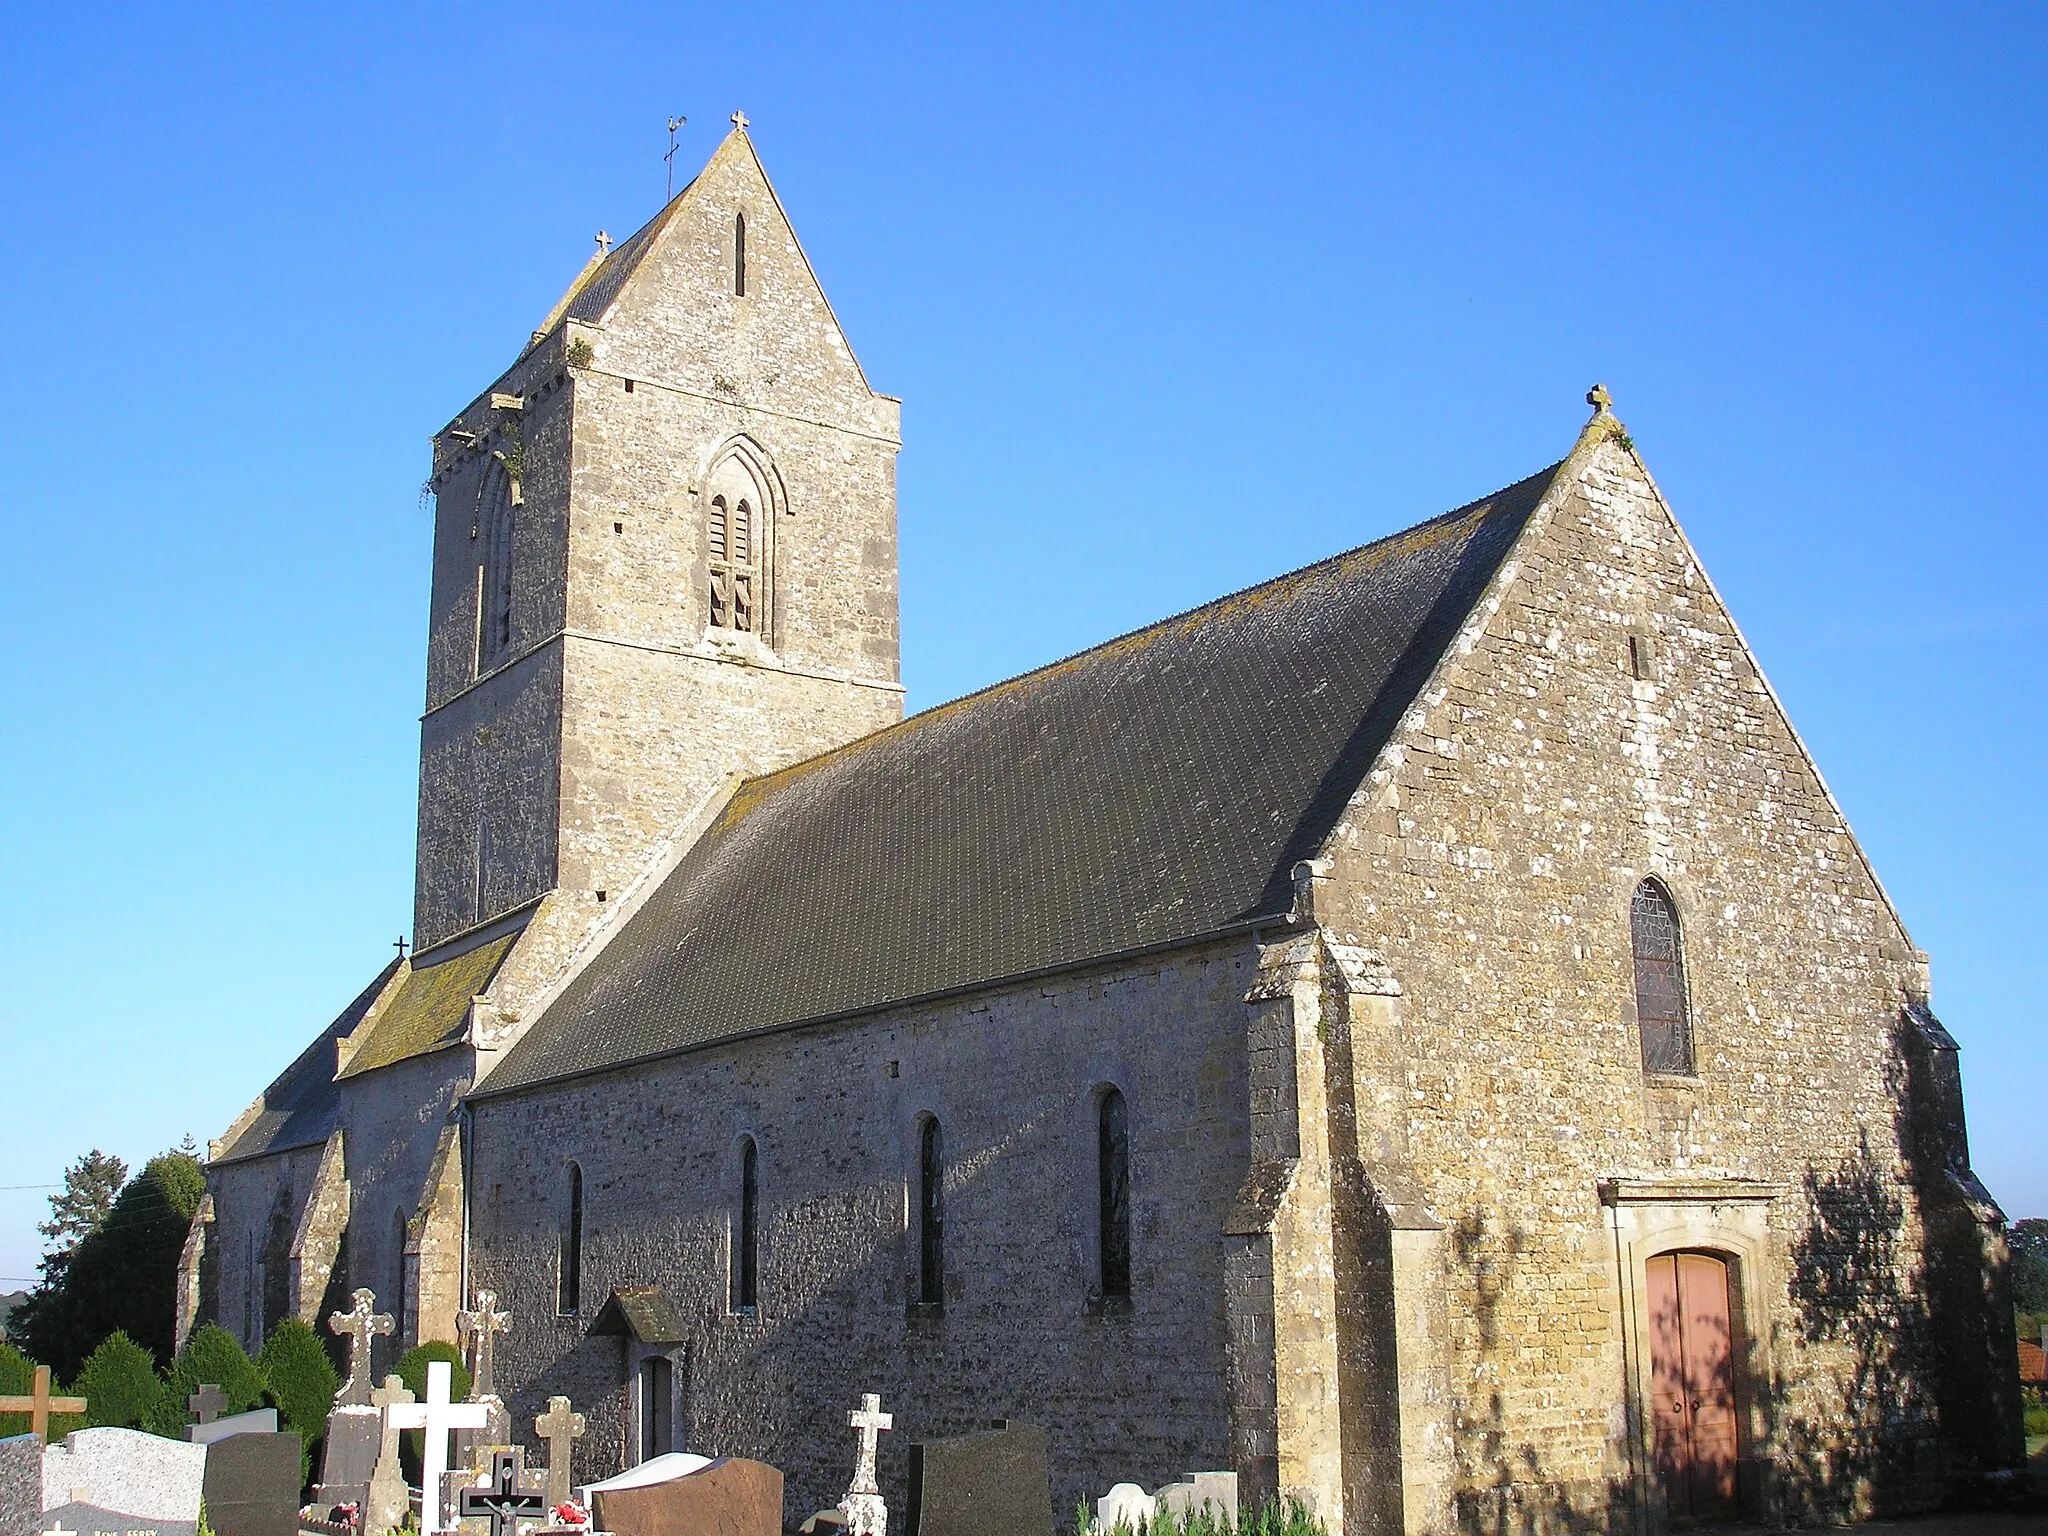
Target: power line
<point x="31" y="1186"/>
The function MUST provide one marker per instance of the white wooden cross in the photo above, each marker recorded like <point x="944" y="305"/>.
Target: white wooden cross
<point x="437" y="1416"/>
<point x="361" y="1323"/>
<point x="866" y="1514"/>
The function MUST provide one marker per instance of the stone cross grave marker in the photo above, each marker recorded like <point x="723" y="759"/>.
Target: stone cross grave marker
<point x="39" y="1405"/>
<point x="561" y="1428"/>
<point x="361" y="1323"/>
<point x="478" y="1328"/>
<point x="207" y="1403"/>
<point x="866" y="1514"/>
<point x="437" y="1416"/>
<point x="502" y="1503"/>
<point x="386" y="1507"/>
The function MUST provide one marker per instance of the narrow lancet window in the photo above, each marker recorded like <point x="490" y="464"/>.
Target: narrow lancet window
<point x="746" y="1258"/>
<point x="1661" y="1014"/>
<point x="735" y="547"/>
<point x="739" y="254"/>
<point x="1113" y="1189"/>
<point x="569" y="1272"/>
<point x="494" y="590"/>
<point x="399" y="1300"/>
<point x="931" y="1215"/>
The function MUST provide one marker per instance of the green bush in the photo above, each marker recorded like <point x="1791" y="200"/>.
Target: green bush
<point x="17" y="1379"/>
<point x="120" y="1384"/>
<point x="211" y="1357"/>
<point x="412" y="1369"/>
<point x="2037" y="1422"/>
<point x="303" y="1383"/>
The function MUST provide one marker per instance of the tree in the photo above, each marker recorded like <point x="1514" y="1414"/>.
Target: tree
<point x="121" y="1276"/>
<point x="303" y="1382"/>
<point x="90" y="1185"/>
<point x="2028" y="1243"/>
<point x="120" y="1384"/>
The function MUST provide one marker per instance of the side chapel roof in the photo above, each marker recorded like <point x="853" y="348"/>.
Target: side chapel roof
<point x="1154" y="790"/>
<point x="298" y="1109"/>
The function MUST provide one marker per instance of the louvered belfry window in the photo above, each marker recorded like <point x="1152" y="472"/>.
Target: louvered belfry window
<point x="1661" y="1016"/>
<point x="735" y="563"/>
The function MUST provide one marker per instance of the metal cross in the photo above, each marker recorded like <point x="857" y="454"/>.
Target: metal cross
<point x="673" y="124"/>
<point x="400" y="946"/>
<point x="477" y="1329"/>
<point x="559" y="1426"/>
<point x="39" y="1405"/>
<point x="361" y="1324"/>
<point x="502" y="1503"/>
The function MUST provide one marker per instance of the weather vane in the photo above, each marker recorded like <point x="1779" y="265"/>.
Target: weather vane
<point x="673" y="124"/>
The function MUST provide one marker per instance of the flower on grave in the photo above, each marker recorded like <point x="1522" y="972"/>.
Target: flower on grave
<point x="569" y="1512"/>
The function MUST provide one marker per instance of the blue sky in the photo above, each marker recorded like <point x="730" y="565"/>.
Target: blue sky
<point x="1176" y="299"/>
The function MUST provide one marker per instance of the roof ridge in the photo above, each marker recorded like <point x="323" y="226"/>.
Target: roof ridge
<point x="759" y="783"/>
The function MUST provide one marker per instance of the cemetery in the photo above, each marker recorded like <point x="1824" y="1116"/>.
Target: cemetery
<point x="448" y="1459"/>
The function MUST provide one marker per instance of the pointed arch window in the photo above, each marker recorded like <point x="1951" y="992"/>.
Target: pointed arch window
<point x="739" y="255"/>
<point x="1662" y="1018"/>
<point x="746" y="1257"/>
<point x="1113" y="1192"/>
<point x="739" y="527"/>
<point x="399" y="1299"/>
<point x="931" y="1214"/>
<point x="494" y="582"/>
<point x="569" y="1261"/>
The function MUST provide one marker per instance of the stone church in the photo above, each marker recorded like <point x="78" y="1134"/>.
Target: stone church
<point x="1418" y="1032"/>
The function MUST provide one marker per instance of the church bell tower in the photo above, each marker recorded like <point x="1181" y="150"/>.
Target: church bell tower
<point x="664" y="552"/>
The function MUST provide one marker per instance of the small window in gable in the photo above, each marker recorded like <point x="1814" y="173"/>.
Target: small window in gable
<point x="739" y="255"/>
<point x="1661" y="1015"/>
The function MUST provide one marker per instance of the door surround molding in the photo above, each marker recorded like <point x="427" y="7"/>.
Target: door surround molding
<point x="1729" y="1218"/>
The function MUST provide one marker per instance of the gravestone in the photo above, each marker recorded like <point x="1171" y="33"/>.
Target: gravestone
<point x="257" y="1421"/>
<point x="728" y="1497"/>
<point x="252" y="1484"/>
<point x="437" y="1417"/>
<point x="1127" y="1505"/>
<point x="478" y="1329"/>
<point x="1214" y="1491"/>
<point x="504" y="1502"/>
<point x="664" y="1468"/>
<point x="21" y="1485"/>
<point x="560" y="1427"/>
<point x="385" y="1505"/>
<point x="863" y="1508"/>
<point x="996" y="1483"/>
<point x="207" y="1404"/>
<point x="348" y="1455"/>
<point x="116" y="1480"/>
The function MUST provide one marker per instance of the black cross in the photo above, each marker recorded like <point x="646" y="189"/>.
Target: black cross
<point x="502" y="1503"/>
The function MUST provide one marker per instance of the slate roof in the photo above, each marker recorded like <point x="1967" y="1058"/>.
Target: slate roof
<point x="430" y="1008"/>
<point x="298" y="1109"/>
<point x="1157" y="789"/>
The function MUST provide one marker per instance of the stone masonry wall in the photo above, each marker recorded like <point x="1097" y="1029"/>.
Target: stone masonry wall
<point x="251" y="1196"/>
<point x="1012" y="1076"/>
<point x="1538" y="783"/>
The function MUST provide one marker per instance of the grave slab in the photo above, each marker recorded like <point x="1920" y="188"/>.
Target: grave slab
<point x="21" y="1485"/>
<point x="76" y="1519"/>
<point x="252" y="1485"/>
<point x="124" y="1472"/>
<point x="996" y="1483"/>
<point x="1127" y="1505"/>
<point x="257" y="1421"/>
<point x="730" y="1497"/>
<point x="348" y="1456"/>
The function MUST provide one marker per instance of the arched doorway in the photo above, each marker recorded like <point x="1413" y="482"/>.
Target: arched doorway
<point x="1692" y="1385"/>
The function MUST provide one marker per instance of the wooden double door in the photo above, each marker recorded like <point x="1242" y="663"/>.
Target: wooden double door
<point x="1692" y="1385"/>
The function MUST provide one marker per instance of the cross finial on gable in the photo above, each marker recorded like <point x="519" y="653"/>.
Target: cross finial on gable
<point x="604" y="243"/>
<point x="1601" y="401"/>
<point x="739" y="121"/>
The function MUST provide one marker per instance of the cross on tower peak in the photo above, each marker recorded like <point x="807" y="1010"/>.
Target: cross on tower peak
<point x="739" y="121"/>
